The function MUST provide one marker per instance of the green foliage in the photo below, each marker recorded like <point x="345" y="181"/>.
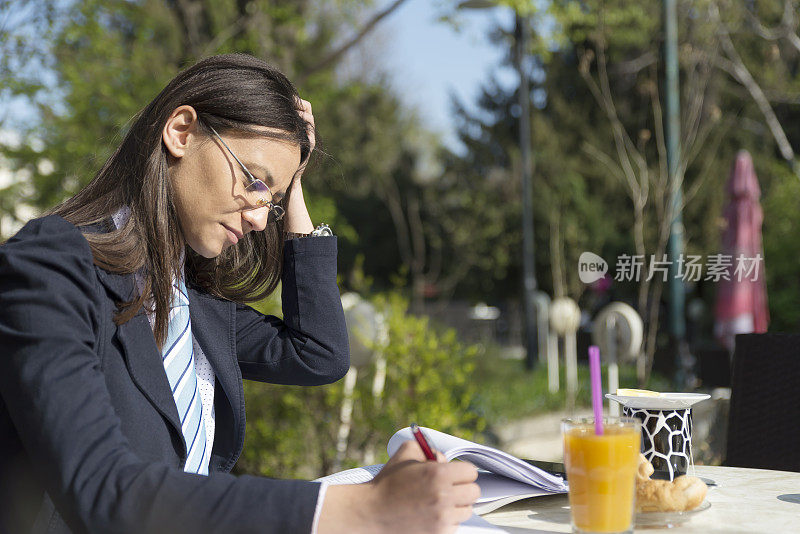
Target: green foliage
<point x="428" y="377"/>
<point x="576" y="205"/>
<point x="625" y="24"/>
<point x="781" y="237"/>
<point x="507" y="393"/>
<point x="323" y="209"/>
<point x="370" y="175"/>
<point x="107" y="67"/>
<point x="291" y="430"/>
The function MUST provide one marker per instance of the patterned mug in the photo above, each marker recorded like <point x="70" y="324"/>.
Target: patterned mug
<point x="666" y="438"/>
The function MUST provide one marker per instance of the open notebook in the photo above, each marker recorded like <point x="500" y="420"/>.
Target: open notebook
<point x="503" y="478"/>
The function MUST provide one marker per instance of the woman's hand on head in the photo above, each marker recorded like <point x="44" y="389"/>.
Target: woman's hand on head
<point x="297" y="218"/>
<point x="408" y="495"/>
<point x="306" y="114"/>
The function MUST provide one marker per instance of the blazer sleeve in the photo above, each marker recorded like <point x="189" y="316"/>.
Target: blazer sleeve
<point x="310" y="345"/>
<point x="52" y="384"/>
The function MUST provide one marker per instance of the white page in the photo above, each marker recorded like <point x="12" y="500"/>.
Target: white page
<point x="352" y="476"/>
<point x="438" y="440"/>
<point x="478" y="525"/>
<point x="494" y="487"/>
<point x="498" y="491"/>
<point x="481" y="456"/>
<point x="496" y="465"/>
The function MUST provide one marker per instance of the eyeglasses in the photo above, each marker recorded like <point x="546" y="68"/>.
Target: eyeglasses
<point x="255" y="189"/>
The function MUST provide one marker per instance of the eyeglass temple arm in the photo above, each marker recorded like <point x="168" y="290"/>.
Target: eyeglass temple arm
<point x="246" y="171"/>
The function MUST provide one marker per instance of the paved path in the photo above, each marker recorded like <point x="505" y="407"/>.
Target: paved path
<point x="537" y="438"/>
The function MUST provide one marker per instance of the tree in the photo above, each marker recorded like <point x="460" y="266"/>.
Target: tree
<point x="598" y="135"/>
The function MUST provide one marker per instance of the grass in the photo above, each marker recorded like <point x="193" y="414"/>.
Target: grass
<point x="506" y="391"/>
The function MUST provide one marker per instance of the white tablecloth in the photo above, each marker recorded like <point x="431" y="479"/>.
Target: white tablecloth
<point x="744" y="501"/>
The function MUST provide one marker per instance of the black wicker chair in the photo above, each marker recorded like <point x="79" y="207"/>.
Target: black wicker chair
<point x="764" y="419"/>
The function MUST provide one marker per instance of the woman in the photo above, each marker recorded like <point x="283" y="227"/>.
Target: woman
<point x="125" y="336"/>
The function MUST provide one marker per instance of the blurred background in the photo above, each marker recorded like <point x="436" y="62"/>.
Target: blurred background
<point x="471" y="152"/>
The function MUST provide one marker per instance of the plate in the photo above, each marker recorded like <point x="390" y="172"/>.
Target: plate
<point x="668" y="519"/>
<point x="665" y="401"/>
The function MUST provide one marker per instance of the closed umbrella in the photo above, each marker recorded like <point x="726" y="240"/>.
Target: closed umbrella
<point x="741" y="306"/>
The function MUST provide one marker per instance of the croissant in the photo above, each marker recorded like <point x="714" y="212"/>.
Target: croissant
<point x="683" y="493"/>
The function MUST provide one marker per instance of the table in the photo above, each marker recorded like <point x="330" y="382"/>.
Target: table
<point x="744" y="501"/>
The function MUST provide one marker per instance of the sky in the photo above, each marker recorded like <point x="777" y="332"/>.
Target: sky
<point x="428" y="60"/>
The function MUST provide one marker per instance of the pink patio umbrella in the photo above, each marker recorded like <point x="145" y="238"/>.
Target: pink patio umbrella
<point x="742" y="299"/>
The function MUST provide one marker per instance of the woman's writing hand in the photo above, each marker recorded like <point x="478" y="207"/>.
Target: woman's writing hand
<point x="408" y="495"/>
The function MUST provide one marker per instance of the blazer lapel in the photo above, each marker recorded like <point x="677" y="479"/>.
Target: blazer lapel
<point x="141" y="353"/>
<point x="212" y="326"/>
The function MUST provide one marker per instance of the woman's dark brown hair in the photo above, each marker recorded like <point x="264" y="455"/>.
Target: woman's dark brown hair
<point x="232" y="92"/>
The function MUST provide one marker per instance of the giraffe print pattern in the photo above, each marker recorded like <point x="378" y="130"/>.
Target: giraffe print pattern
<point x="666" y="438"/>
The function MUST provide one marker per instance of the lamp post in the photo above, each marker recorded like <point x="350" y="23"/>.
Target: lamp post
<point x="677" y="295"/>
<point x="521" y="37"/>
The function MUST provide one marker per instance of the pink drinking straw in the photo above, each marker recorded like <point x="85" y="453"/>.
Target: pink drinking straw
<point x="597" y="389"/>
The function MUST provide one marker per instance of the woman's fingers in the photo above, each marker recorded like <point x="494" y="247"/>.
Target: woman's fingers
<point x="461" y="514"/>
<point x="304" y="108"/>
<point x="307" y="117"/>
<point x="463" y="472"/>
<point x="304" y="105"/>
<point x="305" y="112"/>
<point x="465" y="494"/>
<point x="409" y="450"/>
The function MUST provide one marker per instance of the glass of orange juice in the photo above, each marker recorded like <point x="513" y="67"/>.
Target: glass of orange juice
<point x="601" y="473"/>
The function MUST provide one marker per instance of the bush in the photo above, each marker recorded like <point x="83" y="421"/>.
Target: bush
<point x="428" y="381"/>
<point x="781" y="234"/>
<point x="292" y="430"/>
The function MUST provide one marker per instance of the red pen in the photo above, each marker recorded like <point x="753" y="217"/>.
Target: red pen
<point x="423" y="443"/>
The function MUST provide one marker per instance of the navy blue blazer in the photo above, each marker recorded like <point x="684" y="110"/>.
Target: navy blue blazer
<point x="90" y="437"/>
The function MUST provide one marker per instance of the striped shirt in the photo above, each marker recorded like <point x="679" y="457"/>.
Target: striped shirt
<point x="205" y="374"/>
